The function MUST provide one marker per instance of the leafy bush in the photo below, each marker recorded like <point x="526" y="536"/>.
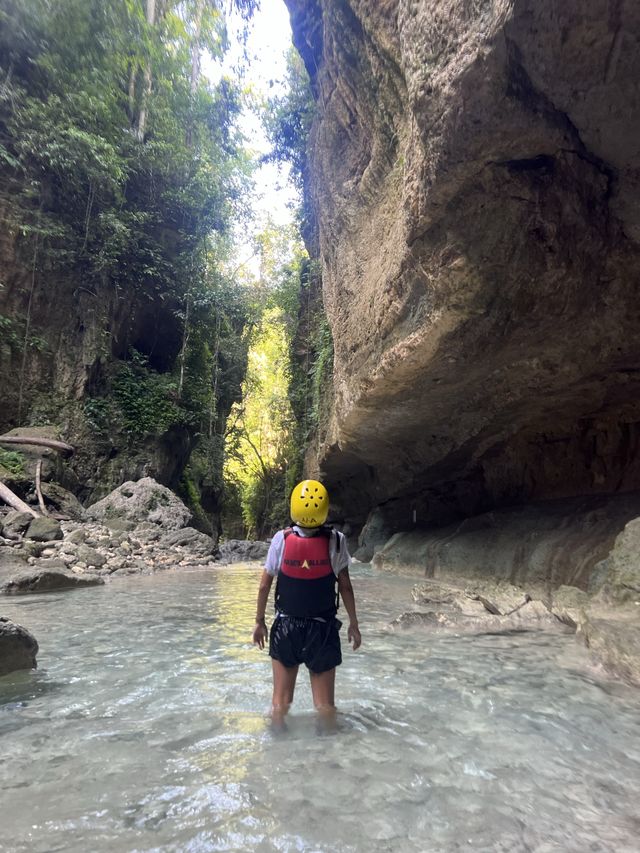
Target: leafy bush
<point x="13" y="461"/>
<point x="147" y="401"/>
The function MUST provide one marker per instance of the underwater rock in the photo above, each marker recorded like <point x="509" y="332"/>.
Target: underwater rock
<point x="18" y="647"/>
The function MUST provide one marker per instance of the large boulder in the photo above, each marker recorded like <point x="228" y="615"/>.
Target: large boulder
<point x="63" y="500"/>
<point x="621" y="569"/>
<point x="478" y="619"/>
<point x="18" y="648"/>
<point x="15" y="523"/>
<point x="191" y="539"/>
<point x="44" y="529"/>
<point x="242" y="551"/>
<point x="613" y="638"/>
<point x="142" y="501"/>
<point x="46" y="579"/>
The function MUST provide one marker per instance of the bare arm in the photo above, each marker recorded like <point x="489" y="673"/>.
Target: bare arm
<point x="260" y="632"/>
<point x="346" y="593"/>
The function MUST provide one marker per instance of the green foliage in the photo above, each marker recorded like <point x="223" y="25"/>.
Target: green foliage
<point x="190" y="494"/>
<point x="9" y="333"/>
<point x="147" y="400"/>
<point x="311" y="365"/>
<point x="13" y="461"/>
<point x="100" y="415"/>
<point x="288" y="119"/>
<point x="322" y="368"/>
<point x="13" y="332"/>
<point x="259" y="427"/>
<point x="126" y="172"/>
<point x="115" y="176"/>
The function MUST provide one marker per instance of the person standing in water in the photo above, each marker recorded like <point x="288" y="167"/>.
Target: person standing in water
<point x="308" y="561"/>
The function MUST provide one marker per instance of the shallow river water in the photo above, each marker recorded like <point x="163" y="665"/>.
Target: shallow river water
<point x="145" y="729"/>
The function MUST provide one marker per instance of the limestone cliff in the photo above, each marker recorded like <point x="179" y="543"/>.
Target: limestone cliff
<point x="52" y="366"/>
<point x="475" y="169"/>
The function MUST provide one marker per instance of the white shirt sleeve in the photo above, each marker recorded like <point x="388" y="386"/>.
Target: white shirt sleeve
<point x="275" y="553"/>
<point x="339" y="556"/>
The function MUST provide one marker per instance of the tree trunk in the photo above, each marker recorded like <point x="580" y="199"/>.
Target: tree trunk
<point x="183" y="348"/>
<point x="133" y="74"/>
<point x="147" y="78"/>
<point x="13" y="500"/>
<point x="43" y="508"/>
<point x="195" y="66"/>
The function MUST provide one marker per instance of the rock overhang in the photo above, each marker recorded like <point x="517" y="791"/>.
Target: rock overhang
<point x="474" y="176"/>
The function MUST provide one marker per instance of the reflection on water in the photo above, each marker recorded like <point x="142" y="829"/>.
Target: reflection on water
<point x="145" y="729"/>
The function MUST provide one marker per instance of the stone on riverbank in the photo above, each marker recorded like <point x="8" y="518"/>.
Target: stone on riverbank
<point x="49" y="579"/>
<point x="621" y="569"/>
<point x="18" y="647"/>
<point x="142" y="501"/>
<point x="193" y="540"/>
<point x="44" y="529"/>
<point x="242" y="551"/>
<point x="469" y="611"/>
<point x="613" y="638"/>
<point x="63" y="501"/>
<point x="581" y="542"/>
<point x="15" y="523"/>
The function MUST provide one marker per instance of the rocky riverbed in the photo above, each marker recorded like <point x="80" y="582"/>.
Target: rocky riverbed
<point x="140" y="528"/>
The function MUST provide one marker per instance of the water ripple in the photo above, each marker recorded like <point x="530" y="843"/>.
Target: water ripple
<point x="145" y="729"/>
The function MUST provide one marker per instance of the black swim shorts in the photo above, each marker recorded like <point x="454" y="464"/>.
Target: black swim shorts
<point x="294" y="640"/>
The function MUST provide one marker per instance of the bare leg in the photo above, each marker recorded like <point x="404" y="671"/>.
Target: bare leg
<point x="323" y="692"/>
<point x="284" y="682"/>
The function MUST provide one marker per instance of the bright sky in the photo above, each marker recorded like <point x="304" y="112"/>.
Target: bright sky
<point x="262" y="70"/>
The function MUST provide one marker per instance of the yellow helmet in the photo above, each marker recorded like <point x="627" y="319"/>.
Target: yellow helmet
<point x="309" y="504"/>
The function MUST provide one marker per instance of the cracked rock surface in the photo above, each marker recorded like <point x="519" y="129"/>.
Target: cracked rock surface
<point x="474" y="175"/>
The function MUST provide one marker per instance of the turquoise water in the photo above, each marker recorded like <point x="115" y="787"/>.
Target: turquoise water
<point x="146" y="729"/>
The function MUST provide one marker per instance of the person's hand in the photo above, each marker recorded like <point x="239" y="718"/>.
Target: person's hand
<point x="353" y="636"/>
<point x="260" y="634"/>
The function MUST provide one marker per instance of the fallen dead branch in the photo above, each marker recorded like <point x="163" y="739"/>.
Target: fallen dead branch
<point x="35" y="441"/>
<point x="14" y="501"/>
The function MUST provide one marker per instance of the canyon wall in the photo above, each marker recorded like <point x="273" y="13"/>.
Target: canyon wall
<point x="474" y="173"/>
<point x="60" y="338"/>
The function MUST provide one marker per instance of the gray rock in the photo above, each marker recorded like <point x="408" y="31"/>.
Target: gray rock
<point x="568" y="602"/>
<point x="15" y="523"/>
<point x="539" y="546"/>
<point x="77" y="536"/>
<point x="119" y="525"/>
<point x="373" y="536"/>
<point x="144" y="500"/>
<point x="63" y="500"/>
<point x="242" y="550"/>
<point x="529" y="616"/>
<point x="44" y="529"/>
<point x="613" y="639"/>
<point x="30" y="548"/>
<point x="191" y="539"/>
<point x="46" y="580"/>
<point x="622" y="580"/>
<point x="18" y="647"/>
<point x="90" y="556"/>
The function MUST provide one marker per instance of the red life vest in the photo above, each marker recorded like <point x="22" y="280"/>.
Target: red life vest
<point x="306" y="583"/>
